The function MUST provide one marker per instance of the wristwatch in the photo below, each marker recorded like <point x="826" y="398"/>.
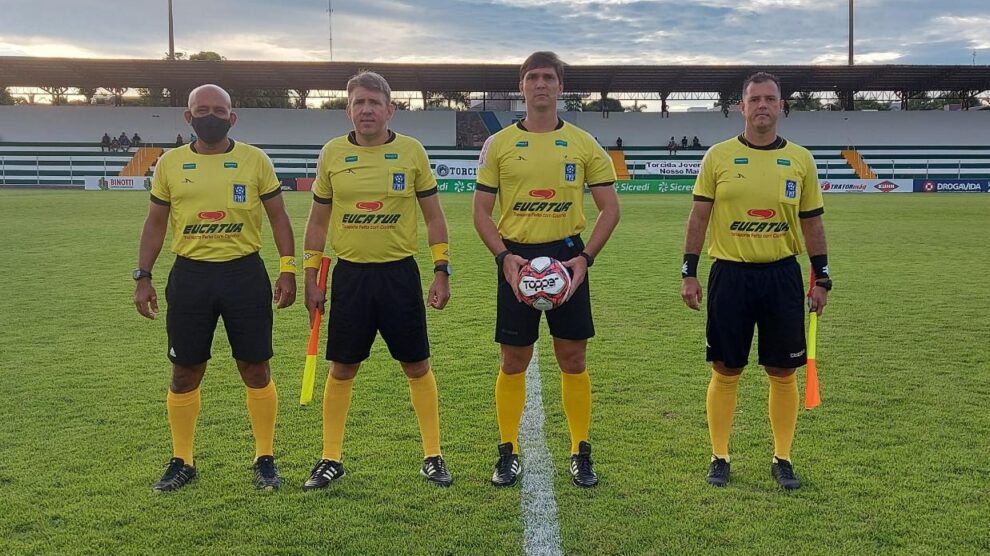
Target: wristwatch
<point x="443" y="267"/>
<point x="824" y="283"/>
<point x="139" y="274"/>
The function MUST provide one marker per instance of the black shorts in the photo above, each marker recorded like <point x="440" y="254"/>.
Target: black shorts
<point x="366" y="298"/>
<point x="769" y="296"/>
<point x="518" y="324"/>
<point x="199" y="292"/>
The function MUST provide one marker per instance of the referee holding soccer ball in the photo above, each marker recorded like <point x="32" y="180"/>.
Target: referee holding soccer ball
<point x="537" y="170"/>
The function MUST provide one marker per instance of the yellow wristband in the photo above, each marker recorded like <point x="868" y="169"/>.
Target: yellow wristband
<point x="287" y="264"/>
<point x="312" y="259"/>
<point x="440" y="252"/>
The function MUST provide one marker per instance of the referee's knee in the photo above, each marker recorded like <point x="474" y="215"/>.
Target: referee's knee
<point x="720" y="368"/>
<point x="780" y="371"/>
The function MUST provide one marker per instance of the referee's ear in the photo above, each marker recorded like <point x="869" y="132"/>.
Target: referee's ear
<point x="233" y="118"/>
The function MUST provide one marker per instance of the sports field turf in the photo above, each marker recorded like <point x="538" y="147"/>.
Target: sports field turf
<point x="894" y="461"/>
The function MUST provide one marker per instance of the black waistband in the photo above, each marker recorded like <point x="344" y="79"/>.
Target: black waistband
<point x="781" y="262"/>
<point x="246" y="260"/>
<point x="399" y="262"/>
<point x="568" y="241"/>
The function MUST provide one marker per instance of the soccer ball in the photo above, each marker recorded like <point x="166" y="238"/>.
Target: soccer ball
<point x="544" y="283"/>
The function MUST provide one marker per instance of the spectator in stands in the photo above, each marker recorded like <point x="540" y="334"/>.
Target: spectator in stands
<point x="664" y="112"/>
<point x="672" y="146"/>
<point x="105" y="142"/>
<point x="178" y="140"/>
<point x="725" y="109"/>
<point x="136" y="140"/>
<point x="618" y="143"/>
<point x="125" y="142"/>
<point x="696" y="143"/>
<point x="787" y="108"/>
<point x="684" y="142"/>
<point x="114" y="145"/>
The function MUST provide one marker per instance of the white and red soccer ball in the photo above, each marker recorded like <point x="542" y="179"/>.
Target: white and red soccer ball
<point x="544" y="283"/>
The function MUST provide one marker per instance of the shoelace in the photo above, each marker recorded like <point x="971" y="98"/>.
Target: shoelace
<point x="321" y="468"/>
<point x="173" y="468"/>
<point x="720" y="466"/>
<point x="786" y="470"/>
<point x="439" y="465"/>
<point x="504" y="464"/>
<point x="583" y="464"/>
<point x="266" y="468"/>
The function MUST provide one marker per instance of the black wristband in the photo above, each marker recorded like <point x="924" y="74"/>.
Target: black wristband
<point x="819" y="264"/>
<point x="501" y="257"/>
<point x="587" y="257"/>
<point x="690" y="267"/>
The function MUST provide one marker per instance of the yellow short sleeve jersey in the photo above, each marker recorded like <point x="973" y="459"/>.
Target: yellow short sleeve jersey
<point x="215" y="200"/>
<point x="373" y="192"/>
<point x="760" y="193"/>
<point x="539" y="179"/>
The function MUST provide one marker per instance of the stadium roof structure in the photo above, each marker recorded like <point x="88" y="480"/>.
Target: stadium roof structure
<point x="22" y="71"/>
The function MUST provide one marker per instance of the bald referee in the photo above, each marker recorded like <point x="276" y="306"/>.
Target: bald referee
<point x="542" y="158"/>
<point x="752" y="193"/>
<point x="212" y="192"/>
<point x="370" y="185"/>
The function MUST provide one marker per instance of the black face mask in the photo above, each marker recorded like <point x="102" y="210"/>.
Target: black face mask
<point x="210" y="128"/>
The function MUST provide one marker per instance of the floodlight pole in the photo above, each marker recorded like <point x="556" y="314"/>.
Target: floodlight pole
<point x="330" y="24"/>
<point x="850" y="32"/>
<point x="171" y="33"/>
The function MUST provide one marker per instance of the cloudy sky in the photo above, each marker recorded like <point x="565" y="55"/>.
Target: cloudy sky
<point x="581" y="31"/>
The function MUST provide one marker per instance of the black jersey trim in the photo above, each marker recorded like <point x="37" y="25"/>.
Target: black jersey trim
<point x="352" y="138"/>
<point x="161" y="202"/>
<point x="703" y="199"/>
<point x="560" y="124"/>
<point x="812" y="213"/>
<point x="486" y="188"/>
<point x="192" y="147"/>
<point x="603" y="184"/>
<point x="271" y="194"/>
<point x="321" y="200"/>
<point x="427" y="193"/>
<point x="778" y="143"/>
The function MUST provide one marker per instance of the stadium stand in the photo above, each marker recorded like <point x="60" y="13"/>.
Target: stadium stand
<point x="44" y="145"/>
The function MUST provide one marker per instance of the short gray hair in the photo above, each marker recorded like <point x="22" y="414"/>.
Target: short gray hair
<point x="369" y="80"/>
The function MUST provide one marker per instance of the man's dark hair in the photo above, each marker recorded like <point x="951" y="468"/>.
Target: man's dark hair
<point x="542" y="60"/>
<point x="761" y="77"/>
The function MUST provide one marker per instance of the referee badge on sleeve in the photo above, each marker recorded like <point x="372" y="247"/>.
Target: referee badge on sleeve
<point x="790" y="189"/>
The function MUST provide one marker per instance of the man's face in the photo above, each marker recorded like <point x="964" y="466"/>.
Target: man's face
<point x="541" y="87"/>
<point x="369" y="111"/>
<point x="209" y="101"/>
<point x="762" y="105"/>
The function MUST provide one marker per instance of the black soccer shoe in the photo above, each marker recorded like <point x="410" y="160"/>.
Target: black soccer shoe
<point x="582" y="468"/>
<point x="325" y="472"/>
<point x="266" y="474"/>
<point x="718" y="473"/>
<point x="435" y="471"/>
<point x="783" y="473"/>
<point x="177" y="475"/>
<point x="507" y="468"/>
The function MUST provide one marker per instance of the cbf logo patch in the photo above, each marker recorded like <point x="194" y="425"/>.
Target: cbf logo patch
<point x="790" y="189"/>
<point x="570" y="171"/>
<point x="240" y="193"/>
<point x="398" y="181"/>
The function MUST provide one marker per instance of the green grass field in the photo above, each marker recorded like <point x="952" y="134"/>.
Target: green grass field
<point x="894" y="461"/>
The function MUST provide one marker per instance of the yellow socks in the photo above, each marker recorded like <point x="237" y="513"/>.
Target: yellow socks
<point x="575" y="391"/>
<point x="336" y="402"/>
<point x="423" y="393"/>
<point x="510" y="400"/>
<point x="262" y="404"/>
<point x="183" y="409"/>
<point x="784" y="405"/>
<point x="721" y="405"/>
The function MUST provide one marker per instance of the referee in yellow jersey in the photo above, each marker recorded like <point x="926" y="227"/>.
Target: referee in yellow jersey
<point x="752" y="192"/>
<point x="537" y="170"/>
<point x="212" y="192"/>
<point x="368" y="186"/>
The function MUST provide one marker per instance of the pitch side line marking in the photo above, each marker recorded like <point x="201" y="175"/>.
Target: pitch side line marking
<point x="541" y="534"/>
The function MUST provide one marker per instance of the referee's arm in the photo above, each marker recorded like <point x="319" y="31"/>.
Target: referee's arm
<point x="694" y="241"/>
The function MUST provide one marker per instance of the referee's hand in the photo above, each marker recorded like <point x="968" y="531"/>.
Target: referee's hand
<point x="691" y="292"/>
<point x="146" y="299"/>
<point x="285" y="290"/>
<point x="511" y="265"/>
<point x="315" y="298"/>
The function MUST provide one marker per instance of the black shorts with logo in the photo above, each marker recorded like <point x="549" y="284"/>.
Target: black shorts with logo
<point x="518" y="324"/>
<point x="366" y="298"/>
<point x="765" y="295"/>
<point x="199" y="292"/>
